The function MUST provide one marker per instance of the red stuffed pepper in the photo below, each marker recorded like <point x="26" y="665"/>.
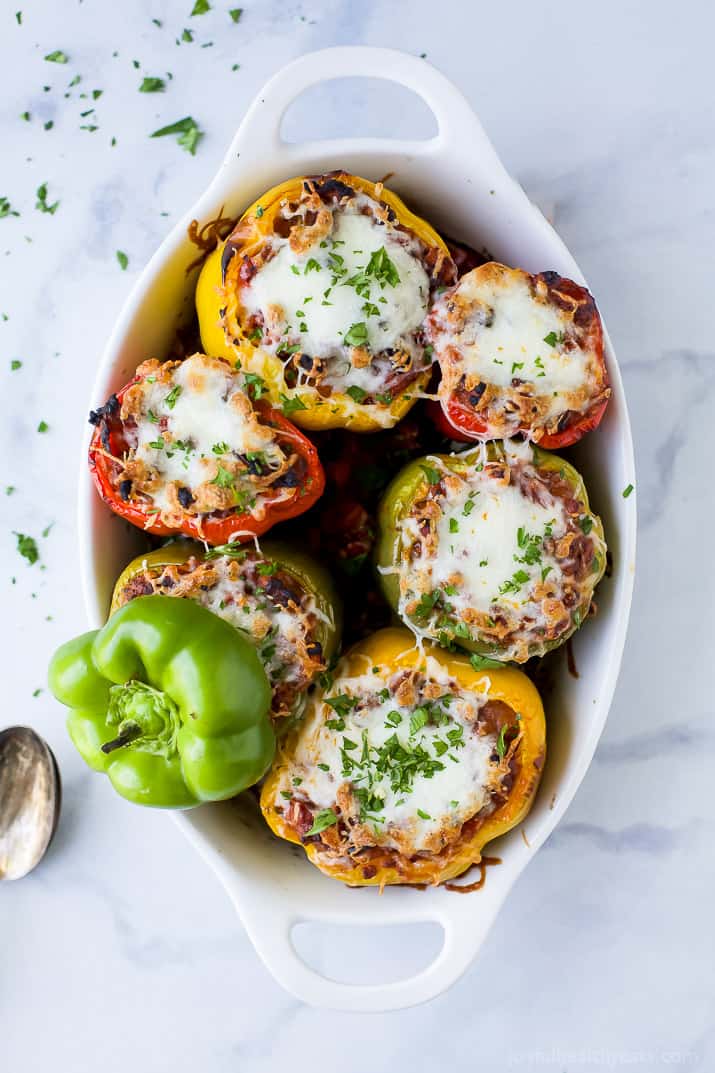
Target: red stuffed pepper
<point x="519" y="354"/>
<point x="191" y="447"/>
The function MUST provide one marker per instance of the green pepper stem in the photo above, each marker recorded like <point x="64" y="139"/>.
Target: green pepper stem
<point x="128" y="734"/>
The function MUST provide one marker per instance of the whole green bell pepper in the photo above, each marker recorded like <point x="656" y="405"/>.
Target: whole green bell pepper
<point x="169" y="701"/>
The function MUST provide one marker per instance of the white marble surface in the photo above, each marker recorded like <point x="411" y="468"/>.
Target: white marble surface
<point x="121" y="951"/>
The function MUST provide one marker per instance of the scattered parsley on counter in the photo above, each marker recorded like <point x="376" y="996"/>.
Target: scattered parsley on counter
<point x="41" y="202"/>
<point x="46" y="531"/>
<point x="10" y="488"/>
<point x="43" y="427"/>
<point x="6" y="208"/>
<point x="235" y="13"/>
<point x="27" y="546"/>
<point x="189" y="132"/>
<point x="123" y="259"/>
<point x="627" y="491"/>
<point x="157" y="22"/>
<point x="49" y="124"/>
<point x="152" y="85"/>
<point x="15" y="364"/>
<point x="58" y="56"/>
<point x="36" y="692"/>
<point x="18" y="18"/>
<point x="201" y="7"/>
<point x="25" y="116"/>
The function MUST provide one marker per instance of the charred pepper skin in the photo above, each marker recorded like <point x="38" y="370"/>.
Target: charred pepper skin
<point x="222" y="336"/>
<point x="411" y="483"/>
<point x="169" y="701"/>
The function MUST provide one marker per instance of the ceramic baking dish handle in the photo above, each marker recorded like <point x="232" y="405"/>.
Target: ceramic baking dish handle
<point x="456" y="122"/>
<point x="270" y="929"/>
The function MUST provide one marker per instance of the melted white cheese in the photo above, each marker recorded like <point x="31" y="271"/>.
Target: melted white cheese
<point x="203" y="426"/>
<point x="446" y="799"/>
<point x="490" y="520"/>
<point x="506" y="336"/>
<point x="295" y="285"/>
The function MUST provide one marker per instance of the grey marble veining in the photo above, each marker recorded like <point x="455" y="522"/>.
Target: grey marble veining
<point x="122" y="951"/>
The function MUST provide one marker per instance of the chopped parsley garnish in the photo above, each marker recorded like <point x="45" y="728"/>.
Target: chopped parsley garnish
<point x="342" y="704"/>
<point x="255" y="385"/>
<point x="43" y="426"/>
<point x="515" y="583"/>
<point x="201" y="7"/>
<point x="220" y="448"/>
<point x="235" y="13"/>
<point x="27" y="546"/>
<point x="325" y="818"/>
<point x="423" y="815"/>
<point x="356" y="335"/>
<point x="516" y="365"/>
<point x="187" y="128"/>
<point x="433" y="475"/>
<point x="501" y="742"/>
<point x="173" y="395"/>
<point x="123" y="259"/>
<point x="15" y="364"/>
<point x="58" y="56"/>
<point x="453" y="525"/>
<point x="289" y="406"/>
<point x="382" y="269"/>
<point x="586" y="524"/>
<point x="224" y="478"/>
<point x="41" y="202"/>
<point x="627" y="491"/>
<point x="530" y="544"/>
<point x="484" y="663"/>
<point x="311" y="264"/>
<point x="152" y="85"/>
<point x="554" y="338"/>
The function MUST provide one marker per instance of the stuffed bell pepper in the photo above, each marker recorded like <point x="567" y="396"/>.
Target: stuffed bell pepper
<point x="519" y="354"/>
<point x="279" y="597"/>
<point x="407" y="764"/>
<point x="192" y="447"/>
<point x="321" y="291"/>
<point x="169" y="701"/>
<point x="495" y="550"/>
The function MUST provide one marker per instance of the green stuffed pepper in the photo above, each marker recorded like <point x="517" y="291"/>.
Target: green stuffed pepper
<point x="279" y="597"/>
<point x="495" y="550"/>
<point x="169" y="701"/>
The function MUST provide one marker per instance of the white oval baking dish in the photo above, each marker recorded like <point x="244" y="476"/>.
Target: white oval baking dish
<point x="456" y="180"/>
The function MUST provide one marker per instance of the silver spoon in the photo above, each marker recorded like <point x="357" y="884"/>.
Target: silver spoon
<point x="30" y="796"/>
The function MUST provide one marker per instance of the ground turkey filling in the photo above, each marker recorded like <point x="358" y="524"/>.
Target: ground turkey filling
<point x="338" y="290"/>
<point x="391" y="766"/>
<point x="188" y="441"/>
<point x="256" y="596"/>
<point x="502" y="555"/>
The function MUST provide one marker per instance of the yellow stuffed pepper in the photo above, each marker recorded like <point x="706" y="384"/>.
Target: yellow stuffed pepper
<point x="407" y="763"/>
<point x="319" y="295"/>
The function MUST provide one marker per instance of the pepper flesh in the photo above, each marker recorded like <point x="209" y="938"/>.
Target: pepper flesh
<point x="222" y="335"/>
<point x="309" y="575"/>
<point x="106" y="444"/>
<point x="412" y="482"/>
<point x="396" y="648"/>
<point x="169" y="701"/>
